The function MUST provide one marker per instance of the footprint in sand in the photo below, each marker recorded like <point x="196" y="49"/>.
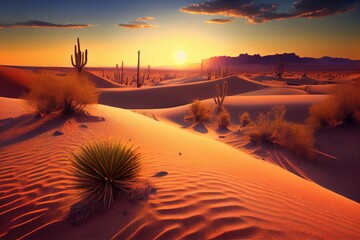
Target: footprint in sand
<point x="161" y="174"/>
<point x="57" y="133"/>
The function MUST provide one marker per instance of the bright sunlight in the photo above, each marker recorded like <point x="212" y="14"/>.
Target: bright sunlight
<point x="180" y="57"/>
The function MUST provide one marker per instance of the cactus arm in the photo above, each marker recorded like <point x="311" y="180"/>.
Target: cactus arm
<point x="215" y="95"/>
<point x="72" y="61"/>
<point x="78" y="43"/>
<point x="85" y="61"/>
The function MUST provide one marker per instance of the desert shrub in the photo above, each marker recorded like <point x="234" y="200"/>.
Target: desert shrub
<point x="105" y="170"/>
<point x="68" y="94"/>
<point x="343" y="106"/>
<point x="198" y="112"/>
<point x="272" y="128"/>
<point x="245" y="119"/>
<point x="224" y="118"/>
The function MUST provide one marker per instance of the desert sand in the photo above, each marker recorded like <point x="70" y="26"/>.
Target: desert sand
<point x="206" y="187"/>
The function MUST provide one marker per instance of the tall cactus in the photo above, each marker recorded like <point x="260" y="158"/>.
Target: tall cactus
<point x="148" y="73"/>
<point x="80" y="58"/>
<point x="219" y="96"/>
<point x="138" y="71"/>
<point x="117" y="74"/>
<point x="280" y="67"/>
<point x="122" y="72"/>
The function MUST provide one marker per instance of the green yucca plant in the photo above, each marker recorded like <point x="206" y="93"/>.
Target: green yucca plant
<point x="105" y="170"/>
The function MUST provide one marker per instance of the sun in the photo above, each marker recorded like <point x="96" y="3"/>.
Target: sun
<point x="180" y="57"/>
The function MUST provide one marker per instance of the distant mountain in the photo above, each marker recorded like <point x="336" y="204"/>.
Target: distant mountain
<point x="293" y="62"/>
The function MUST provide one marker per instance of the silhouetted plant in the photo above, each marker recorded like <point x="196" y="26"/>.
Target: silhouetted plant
<point x="80" y="58"/>
<point x="117" y="75"/>
<point x="280" y="67"/>
<point x="198" y="112"/>
<point x="219" y="95"/>
<point x="138" y="83"/>
<point x="122" y="73"/>
<point x="105" y="170"/>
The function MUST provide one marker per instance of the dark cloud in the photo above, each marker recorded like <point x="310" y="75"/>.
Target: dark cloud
<point x="258" y="12"/>
<point x="308" y="8"/>
<point x="42" y="24"/>
<point x="141" y="22"/>
<point x="219" y="20"/>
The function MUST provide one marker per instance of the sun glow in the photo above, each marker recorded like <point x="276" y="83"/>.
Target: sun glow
<point x="180" y="57"/>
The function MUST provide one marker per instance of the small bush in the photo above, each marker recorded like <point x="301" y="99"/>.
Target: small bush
<point x="245" y="119"/>
<point x="224" y="118"/>
<point x="105" y="170"/>
<point x="68" y="94"/>
<point x="343" y="106"/>
<point x="198" y="112"/>
<point x="272" y="128"/>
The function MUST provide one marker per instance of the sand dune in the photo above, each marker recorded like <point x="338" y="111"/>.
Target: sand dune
<point x="14" y="82"/>
<point x="172" y="96"/>
<point x="101" y="82"/>
<point x="206" y="189"/>
<point x="297" y="107"/>
<point x="211" y="190"/>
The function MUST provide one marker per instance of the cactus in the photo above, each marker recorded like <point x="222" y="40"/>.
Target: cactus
<point x="138" y="71"/>
<point x="80" y="58"/>
<point x="122" y="73"/>
<point x="117" y="74"/>
<point x="219" y="96"/>
<point x="148" y="73"/>
<point x="208" y="74"/>
<point x="280" y="67"/>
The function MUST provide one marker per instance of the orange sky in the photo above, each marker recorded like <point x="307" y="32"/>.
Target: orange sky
<point x="163" y="32"/>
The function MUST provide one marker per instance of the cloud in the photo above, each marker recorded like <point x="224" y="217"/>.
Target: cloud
<point x="322" y="8"/>
<point x="141" y="22"/>
<point x="219" y="20"/>
<point x="258" y="12"/>
<point x="148" y="18"/>
<point x="42" y="24"/>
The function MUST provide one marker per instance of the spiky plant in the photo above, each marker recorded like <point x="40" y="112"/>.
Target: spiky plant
<point x="220" y="94"/>
<point x="245" y="119"/>
<point x="198" y="112"/>
<point x="105" y="170"/>
<point x="224" y="118"/>
<point x="280" y="67"/>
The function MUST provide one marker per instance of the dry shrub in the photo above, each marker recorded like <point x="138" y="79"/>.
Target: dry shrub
<point x="245" y="120"/>
<point x="343" y="106"/>
<point x="272" y="128"/>
<point x="198" y="112"/>
<point x="68" y="94"/>
<point x="224" y="118"/>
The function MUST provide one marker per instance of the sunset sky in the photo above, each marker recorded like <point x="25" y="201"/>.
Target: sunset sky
<point x="43" y="33"/>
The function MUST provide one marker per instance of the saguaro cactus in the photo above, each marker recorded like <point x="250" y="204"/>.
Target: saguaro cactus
<point x="138" y="71"/>
<point x="80" y="58"/>
<point x="219" y="96"/>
